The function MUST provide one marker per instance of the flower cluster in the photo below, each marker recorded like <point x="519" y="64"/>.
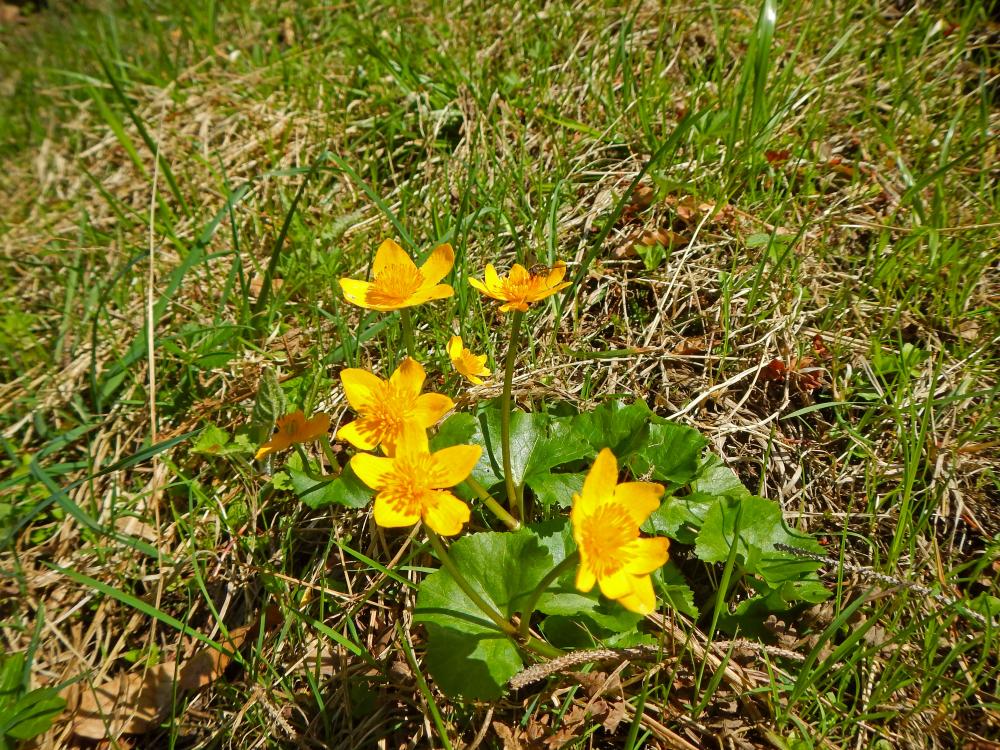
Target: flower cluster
<point x="412" y="483"/>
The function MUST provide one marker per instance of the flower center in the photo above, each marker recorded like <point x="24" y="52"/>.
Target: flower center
<point x="604" y="534"/>
<point x="391" y="410"/>
<point x="396" y="284"/>
<point x="406" y="489"/>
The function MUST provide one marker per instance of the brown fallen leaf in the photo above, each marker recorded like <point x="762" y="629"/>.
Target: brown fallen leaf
<point x="9" y="13"/>
<point x="129" y="703"/>
<point x="207" y="664"/>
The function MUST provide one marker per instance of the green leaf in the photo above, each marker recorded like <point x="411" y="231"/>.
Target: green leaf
<point x="33" y="713"/>
<point x="622" y="428"/>
<point x="458" y="429"/>
<point x="715" y="478"/>
<point x="211" y="439"/>
<point x="680" y="517"/>
<point x="675" y="590"/>
<point x="672" y="454"/>
<point x="467" y="654"/>
<point x="755" y="525"/>
<point x="556" y="489"/>
<point x="269" y="405"/>
<point x="347" y="489"/>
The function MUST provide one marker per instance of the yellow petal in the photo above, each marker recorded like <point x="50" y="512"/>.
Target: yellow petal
<point x="427" y="294"/>
<point x="412" y="441"/>
<point x="479" y="286"/>
<point x="556" y="274"/>
<point x="616" y="585"/>
<point x="585" y="578"/>
<point x="389" y="515"/>
<point x="372" y="470"/>
<point x="391" y="254"/>
<point x="494" y="286"/>
<point x="445" y="513"/>
<point x="518" y="274"/>
<point x="639" y="499"/>
<point x="519" y="305"/>
<point x="362" y="388"/>
<point x="356" y="292"/>
<point x="408" y="378"/>
<point x="646" y="555"/>
<point x="641" y="600"/>
<point x="430" y="407"/>
<point x="454" y="347"/>
<point x="438" y="264"/>
<point x="599" y="486"/>
<point x="356" y="434"/>
<point x="452" y="465"/>
<point x="314" y="427"/>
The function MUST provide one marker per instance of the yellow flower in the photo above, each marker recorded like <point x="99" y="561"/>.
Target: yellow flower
<point x="472" y="366"/>
<point x="521" y="287"/>
<point x="411" y="485"/>
<point x="606" y="517"/>
<point x="397" y="282"/>
<point x="294" y="428"/>
<point x="386" y="406"/>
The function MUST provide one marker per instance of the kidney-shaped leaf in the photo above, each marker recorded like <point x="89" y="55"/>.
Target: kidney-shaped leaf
<point x="467" y="654"/>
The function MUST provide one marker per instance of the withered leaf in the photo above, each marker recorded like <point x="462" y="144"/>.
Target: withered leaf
<point x="207" y="664"/>
<point x="129" y="703"/>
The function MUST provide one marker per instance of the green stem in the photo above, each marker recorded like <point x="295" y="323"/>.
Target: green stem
<point x="422" y="685"/>
<point x="523" y="632"/>
<point x="542" y="648"/>
<point x="498" y="619"/>
<point x="498" y="510"/>
<point x="324" y="443"/>
<point x="404" y="317"/>
<point x="513" y="496"/>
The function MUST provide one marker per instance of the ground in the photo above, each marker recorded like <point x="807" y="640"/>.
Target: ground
<point x="783" y="227"/>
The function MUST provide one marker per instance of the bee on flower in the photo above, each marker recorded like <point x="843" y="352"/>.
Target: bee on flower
<point x="521" y="287"/>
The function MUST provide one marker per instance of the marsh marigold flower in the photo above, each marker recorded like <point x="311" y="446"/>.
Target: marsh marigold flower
<point x="412" y="484"/>
<point x="294" y="428"/>
<point x="606" y="517"/>
<point x="472" y="366"/>
<point x="384" y="407"/>
<point x="397" y="282"/>
<point x="521" y="287"/>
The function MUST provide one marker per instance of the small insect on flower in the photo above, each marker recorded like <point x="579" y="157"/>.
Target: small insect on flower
<point x="521" y="287"/>
<point x="294" y="428"/>
<point x="412" y="484"/>
<point x="385" y="407"/>
<point x="397" y="282"/>
<point x="472" y="366"/>
<point x="606" y="517"/>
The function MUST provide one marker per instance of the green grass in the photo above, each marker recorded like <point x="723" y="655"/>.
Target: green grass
<point x="291" y="140"/>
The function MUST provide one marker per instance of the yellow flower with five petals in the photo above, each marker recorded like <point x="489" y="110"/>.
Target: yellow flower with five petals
<point x="397" y="282"/>
<point x="412" y="484"/>
<point x="521" y="287"/>
<point x="294" y="428"/>
<point x="384" y="407"/>
<point x="606" y="517"/>
<point x="472" y="366"/>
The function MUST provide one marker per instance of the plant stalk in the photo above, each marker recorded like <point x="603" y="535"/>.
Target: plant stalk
<point x="442" y="552"/>
<point x="404" y="317"/>
<point x="514" y="498"/>
<point x="524" y="631"/>
<point x="498" y="510"/>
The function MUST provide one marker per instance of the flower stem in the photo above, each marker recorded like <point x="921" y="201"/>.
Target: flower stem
<point x="498" y="510"/>
<point x="404" y="317"/>
<point x="523" y="632"/>
<point x="513" y="496"/>
<point x="327" y="447"/>
<point x="498" y="619"/>
<point x="542" y="648"/>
